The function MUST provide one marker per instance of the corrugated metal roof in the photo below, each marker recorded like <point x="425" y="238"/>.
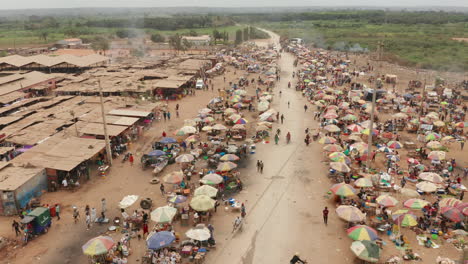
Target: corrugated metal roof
<point x="50" y="61"/>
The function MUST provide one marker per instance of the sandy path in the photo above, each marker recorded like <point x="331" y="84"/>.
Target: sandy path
<point x="285" y="202"/>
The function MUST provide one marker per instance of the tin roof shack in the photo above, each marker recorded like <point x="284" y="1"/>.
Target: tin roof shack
<point x="18" y="185"/>
<point x="63" y="157"/>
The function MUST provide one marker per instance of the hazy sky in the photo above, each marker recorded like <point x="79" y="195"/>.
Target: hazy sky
<point x="25" y="4"/>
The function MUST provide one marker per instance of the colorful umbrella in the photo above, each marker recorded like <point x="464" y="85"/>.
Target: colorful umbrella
<point x="343" y="189"/>
<point x="185" y="158"/>
<point x="229" y="157"/>
<point x="386" y="200"/>
<point x="349" y="117"/>
<point x="230" y="111"/>
<point x="156" y="153"/>
<point x="412" y="161"/>
<point x="337" y="156"/>
<point x="350" y="213"/>
<point x="426" y="186"/>
<point x="409" y="192"/>
<point x="360" y="146"/>
<point x="363" y="183"/>
<point x="452" y="213"/>
<point x="333" y="148"/>
<point x="188" y="129"/>
<point x="174" y="177"/>
<point x="192" y="139"/>
<point x="375" y="132"/>
<point x="219" y="127"/>
<point x="355" y="128"/>
<point x="332" y="128"/>
<point x="415" y="203"/>
<point x="176" y="199"/>
<point x="340" y="166"/>
<point x="163" y="214"/>
<point x="362" y="232"/>
<point x="241" y="121"/>
<point x="206" y="190"/>
<point x="450" y="202"/>
<point x="208" y="119"/>
<point x="212" y="179"/>
<point x="431" y="176"/>
<point x="235" y="117"/>
<point x="98" y="246"/>
<point x="202" y="203"/>
<point x="432" y="136"/>
<point x="436" y="155"/>
<point x="207" y="128"/>
<point x="238" y="127"/>
<point x="394" y="144"/>
<point x="327" y="140"/>
<point x="460" y="124"/>
<point x="407" y="219"/>
<point x="159" y="240"/>
<point x="330" y="115"/>
<point x="226" y="166"/>
<point x="385" y="149"/>
<point x="238" y="105"/>
<point x="439" y="123"/>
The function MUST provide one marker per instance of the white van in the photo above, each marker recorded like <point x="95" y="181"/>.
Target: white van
<point x="200" y="84"/>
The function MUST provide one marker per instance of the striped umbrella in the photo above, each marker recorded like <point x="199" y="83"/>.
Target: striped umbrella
<point x="394" y="144"/>
<point x="375" y="132"/>
<point x="226" y="166"/>
<point x="436" y="155"/>
<point x="386" y="200"/>
<point x="450" y="202"/>
<point x="337" y="156"/>
<point x="362" y="232"/>
<point x="355" y="128"/>
<point x="98" y="246"/>
<point x="431" y="176"/>
<point x="360" y="146"/>
<point x="415" y="203"/>
<point x="241" y="121"/>
<point x="363" y="183"/>
<point x="432" y="136"/>
<point x="185" y="158"/>
<point x="406" y="220"/>
<point x="350" y="213"/>
<point x="343" y="189"/>
<point x="452" y="213"/>
<point x="163" y="214"/>
<point x="327" y="140"/>
<point x="212" y="179"/>
<point x="340" y="166"/>
<point x="333" y="148"/>
<point x="229" y="157"/>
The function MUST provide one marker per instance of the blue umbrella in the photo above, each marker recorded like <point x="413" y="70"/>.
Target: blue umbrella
<point x="157" y="153"/>
<point x="160" y="240"/>
<point x="167" y="140"/>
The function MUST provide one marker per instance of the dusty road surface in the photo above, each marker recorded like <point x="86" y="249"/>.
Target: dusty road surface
<point x="285" y="203"/>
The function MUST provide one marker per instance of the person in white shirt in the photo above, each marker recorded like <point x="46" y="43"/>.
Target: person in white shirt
<point x="65" y="183"/>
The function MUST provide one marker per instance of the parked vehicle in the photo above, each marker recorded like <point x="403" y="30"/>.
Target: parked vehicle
<point x="37" y="222"/>
<point x="200" y="84"/>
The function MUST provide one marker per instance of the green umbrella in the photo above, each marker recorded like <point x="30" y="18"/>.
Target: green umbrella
<point x="366" y="250"/>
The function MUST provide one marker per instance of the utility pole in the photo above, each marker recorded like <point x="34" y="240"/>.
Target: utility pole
<point x="72" y="113"/>
<point x="371" y="125"/>
<point x="104" y="123"/>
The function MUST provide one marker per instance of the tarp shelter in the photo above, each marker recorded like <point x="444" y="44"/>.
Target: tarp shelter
<point x="43" y="61"/>
<point x="96" y="117"/>
<point x="18" y="185"/>
<point x="60" y="153"/>
<point x="97" y="129"/>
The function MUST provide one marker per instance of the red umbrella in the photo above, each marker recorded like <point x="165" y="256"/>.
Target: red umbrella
<point x="452" y="213"/>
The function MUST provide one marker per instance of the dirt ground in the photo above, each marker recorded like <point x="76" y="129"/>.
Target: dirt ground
<point x="283" y="204"/>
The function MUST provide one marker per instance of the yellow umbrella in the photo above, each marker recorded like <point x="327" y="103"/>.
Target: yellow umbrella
<point x="363" y="182"/>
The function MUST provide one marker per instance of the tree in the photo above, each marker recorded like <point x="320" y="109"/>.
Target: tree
<point x="157" y="38"/>
<point x="238" y="37"/>
<point x="99" y="44"/>
<point x="43" y="35"/>
<point x="246" y="34"/>
<point x="225" y="37"/>
<point x="175" y="41"/>
<point x="186" y="44"/>
<point x="193" y="33"/>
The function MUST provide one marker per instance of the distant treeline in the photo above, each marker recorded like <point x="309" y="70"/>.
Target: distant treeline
<point x="160" y="23"/>
<point x="372" y="17"/>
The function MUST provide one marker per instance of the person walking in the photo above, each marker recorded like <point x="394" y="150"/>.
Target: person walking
<point x="145" y="229"/>
<point x="258" y="165"/>
<point x="162" y="189"/>
<point x="16" y="226"/>
<point x="261" y="166"/>
<point x="88" y="220"/>
<point x="76" y="214"/>
<point x="243" y="212"/>
<point x="103" y="205"/>
<point x="93" y="215"/>
<point x="325" y="215"/>
<point x="164" y="115"/>
<point x="282" y="118"/>
<point x="131" y="159"/>
<point x="164" y="133"/>
<point x="462" y="144"/>
<point x="288" y="104"/>
<point x="305" y="108"/>
<point x="57" y="211"/>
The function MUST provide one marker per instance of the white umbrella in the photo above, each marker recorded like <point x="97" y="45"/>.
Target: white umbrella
<point x="198" y="233"/>
<point x="426" y="186"/>
<point x="128" y="201"/>
<point x="163" y="214"/>
<point x="206" y="190"/>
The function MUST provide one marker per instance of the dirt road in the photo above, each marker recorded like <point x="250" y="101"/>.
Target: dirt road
<point x="285" y="203"/>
